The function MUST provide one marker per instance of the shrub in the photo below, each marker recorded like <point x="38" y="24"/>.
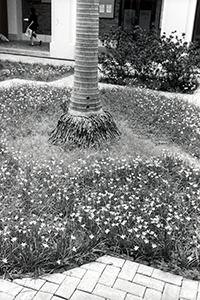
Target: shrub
<point x="145" y="58"/>
<point x="39" y="72"/>
<point x="194" y="53"/>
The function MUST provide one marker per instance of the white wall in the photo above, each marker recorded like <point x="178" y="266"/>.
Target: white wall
<point x="178" y="15"/>
<point x="14" y="8"/>
<point x="63" y="28"/>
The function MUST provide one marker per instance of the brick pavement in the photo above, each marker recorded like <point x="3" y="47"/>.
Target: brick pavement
<point x="108" y="278"/>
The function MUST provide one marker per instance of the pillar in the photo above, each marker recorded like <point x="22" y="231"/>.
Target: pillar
<point x="63" y="29"/>
<point x="14" y="8"/>
<point x="178" y="15"/>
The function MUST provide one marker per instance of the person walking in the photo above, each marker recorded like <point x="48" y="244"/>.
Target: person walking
<point x="33" y="25"/>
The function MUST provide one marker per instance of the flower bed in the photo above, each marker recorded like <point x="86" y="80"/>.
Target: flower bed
<point x="58" y="208"/>
<point x="148" y="210"/>
<point x="40" y="72"/>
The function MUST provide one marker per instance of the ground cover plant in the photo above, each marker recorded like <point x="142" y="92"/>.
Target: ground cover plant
<point x="144" y="58"/>
<point x="40" y="72"/>
<point x="60" y="207"/>
<point x="172" y="118"/>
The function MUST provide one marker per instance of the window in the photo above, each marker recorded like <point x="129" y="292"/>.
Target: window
<point x="106" y="9"/>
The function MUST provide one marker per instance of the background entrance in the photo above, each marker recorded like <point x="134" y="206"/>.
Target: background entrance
<point x="138" y="12"/>
<point x="196" y="33"/>
<point x="3" y="18"/>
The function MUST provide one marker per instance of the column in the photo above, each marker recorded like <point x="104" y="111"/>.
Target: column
<point x="14" y="8"/>
<point x="63" y="29"/>
<point x="178" y="15"/>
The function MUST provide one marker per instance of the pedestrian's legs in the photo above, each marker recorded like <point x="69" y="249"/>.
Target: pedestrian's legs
<point x="32" y="40"/>
<point x="35" y="36"/>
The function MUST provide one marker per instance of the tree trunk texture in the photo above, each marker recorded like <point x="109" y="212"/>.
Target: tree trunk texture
<point x="85" y="96"/>
<point x="85" y="124"/>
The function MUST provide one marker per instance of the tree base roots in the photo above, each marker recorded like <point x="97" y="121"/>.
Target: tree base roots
<point x="84" y="131"/>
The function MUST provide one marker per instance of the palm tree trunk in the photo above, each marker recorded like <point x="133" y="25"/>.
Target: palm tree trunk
<point x="85" y="95"/>
<point x="85" y="122"/>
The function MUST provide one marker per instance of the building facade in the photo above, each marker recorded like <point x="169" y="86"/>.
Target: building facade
<point x="57" y="19"/>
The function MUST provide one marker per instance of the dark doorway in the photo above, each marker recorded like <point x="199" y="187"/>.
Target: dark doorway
<point x="3" y="18"/>
<point x="137" y="12"/>
<point x="196" y="32"/>
<point x="43" y="11"/>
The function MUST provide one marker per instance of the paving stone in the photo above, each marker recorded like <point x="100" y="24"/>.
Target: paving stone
<point x="49" y="287"/>
<point x="171" y="292"/>
<point x="145" y="270"/>
<point x="108" y="292"/>
<point x="109" y="260"/>
<point x="109" y="278"/>
<point x="189" y="289"/>
<point x="128" y="270"/>
<point x="129" y="287"/>
<point x="149" y="282"/>
<point x="132" y="297"/>
<point x="10" y="287"/>
<point x="57" y="298"/>
<point x="32" y="283"/>
<point x="76" y="272"/>
<point x="109" y="275"/>
<point x="94" y="266"/>
<point x="153" y="295"/>
<point x="55" y="278"/>
<point x="26" y="294"/>
<point x="4" y="296"/>
<point x="42" y="296"/>
<point x="67" y="287"/>
<point x="167" y="277"/>
<point x="89" y="281"/>
<point x="80" y="295"/>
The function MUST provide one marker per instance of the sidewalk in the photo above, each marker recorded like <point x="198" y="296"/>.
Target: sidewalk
<point x="109" y="278"/>
<point x="37" y="59"/>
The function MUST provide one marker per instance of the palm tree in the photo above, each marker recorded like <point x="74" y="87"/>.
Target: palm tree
<point x="85" y="122"/>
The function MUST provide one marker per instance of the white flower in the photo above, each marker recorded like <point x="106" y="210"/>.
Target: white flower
<point x="14" y="239"/>
<point x="4" y="260"/>
<point x="136" y="248"/>
<point x="33" y="222"/>
<point x="190" y="258"/>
